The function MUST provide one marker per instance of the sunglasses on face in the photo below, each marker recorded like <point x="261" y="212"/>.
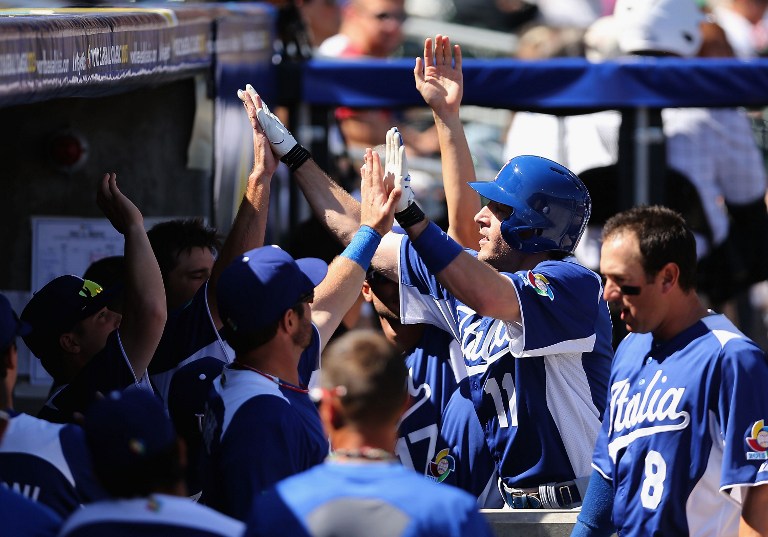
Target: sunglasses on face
<point x="389" y="16"/>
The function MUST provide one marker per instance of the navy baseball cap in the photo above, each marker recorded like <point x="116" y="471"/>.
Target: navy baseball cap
<point x="126" y="428"/>
<point x="10" y="324"/>
<point x="256" y="289"/>
<point x="58" y="307"/>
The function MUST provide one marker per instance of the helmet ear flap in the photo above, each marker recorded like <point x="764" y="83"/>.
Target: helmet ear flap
<point x="510" y="236"/>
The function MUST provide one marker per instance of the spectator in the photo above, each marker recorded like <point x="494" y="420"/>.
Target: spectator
<point x="360" y="489"/>
<point x="46" y="462"/>
<point x="77" y="338"/>
<point x="372" y="29"/>
<point x="745" y="25"/>
<point x="682" y="450"/>
<point x="140" y="462"/>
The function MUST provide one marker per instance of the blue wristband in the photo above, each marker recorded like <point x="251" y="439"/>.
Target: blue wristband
<point x="362" y="246"/>
<point x="436" y="248"/>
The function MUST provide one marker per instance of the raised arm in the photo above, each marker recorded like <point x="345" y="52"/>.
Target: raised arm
<point x="473" y="282"/>
<point x="331" y="204"/>
<point x="440" y="81"/>
<point x="341" y="287"/>
<point x="250" y="223"/>
<point x="144" y="309"/>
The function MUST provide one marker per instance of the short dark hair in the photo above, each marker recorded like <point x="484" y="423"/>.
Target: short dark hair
<point x="169" y="239"/>
<point x="242" y="343"/>
<point x="663" y="237"/>
<point x="372" y="372"/>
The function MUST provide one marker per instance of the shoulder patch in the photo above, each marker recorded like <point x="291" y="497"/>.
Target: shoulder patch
<point x="442" y="466"/>
<point x="757" y="441"/>
<point x="539" y="283"/>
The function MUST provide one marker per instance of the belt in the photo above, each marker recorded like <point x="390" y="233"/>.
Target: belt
<point x="563" y="495"/>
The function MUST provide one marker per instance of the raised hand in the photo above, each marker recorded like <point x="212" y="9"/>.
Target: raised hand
<point x="119" y="210"/>
<point x="279" y="137"/>
<point x="438" y="75"/>
<point x="264" y="160"/>
<point x="396" y="169"/>
<point x="377" y="205"/>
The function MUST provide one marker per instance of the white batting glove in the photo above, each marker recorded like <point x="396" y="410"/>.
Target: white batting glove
<point x="397" y="165"/>
<point x="280" y="138"/>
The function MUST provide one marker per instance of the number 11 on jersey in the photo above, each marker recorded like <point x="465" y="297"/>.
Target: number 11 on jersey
<point x="508" y="385"/>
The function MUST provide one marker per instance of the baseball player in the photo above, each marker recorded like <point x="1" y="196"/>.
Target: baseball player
<point x="260" y="425"/>
<point x="435" y="366"/>
<point x="683" y="449"/>
<point x="46" y="462"/>
<point x="534" y="330"/>
<point x="192" y="353"/>
<point x="361" y="489"/>
<point x="139" y="460"/>
<point x="77" y="337"/>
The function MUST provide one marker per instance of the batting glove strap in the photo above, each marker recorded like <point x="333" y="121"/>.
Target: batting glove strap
<point x="297" y="156"/>
<point x="410" y="216"/>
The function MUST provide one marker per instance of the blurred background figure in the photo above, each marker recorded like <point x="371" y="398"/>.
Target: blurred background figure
<point x="745" y="24"/>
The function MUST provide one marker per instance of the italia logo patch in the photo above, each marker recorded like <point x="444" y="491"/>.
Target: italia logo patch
<point x="539" y="283"/>
<point x="441" y="466"/>
<point x="757" y="441"/>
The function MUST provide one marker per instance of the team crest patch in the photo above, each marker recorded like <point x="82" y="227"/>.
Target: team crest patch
<point x="757" y="441"/>
<point x="539" y="283"/>
<point x="442" y="466"/>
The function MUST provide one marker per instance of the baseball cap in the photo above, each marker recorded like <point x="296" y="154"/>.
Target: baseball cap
<point x="10" y="324"/>
<point x="127" y="428"/>
<point x="57" y="307"/>
<point x="256" y="289"/>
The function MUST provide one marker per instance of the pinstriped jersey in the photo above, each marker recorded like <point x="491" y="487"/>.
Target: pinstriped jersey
<point x="685" y="430"/>
<point x="537" y="387"/>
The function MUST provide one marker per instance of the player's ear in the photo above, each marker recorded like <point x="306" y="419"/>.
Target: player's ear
<point x="69" y="342"/>
<point x="670" y="273"/>
<point x="367" y="293"/>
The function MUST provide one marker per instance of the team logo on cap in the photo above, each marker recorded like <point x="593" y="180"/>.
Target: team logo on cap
<point x="441" y="466"/>
<point x="539" y="283"/>
<point x="90" y="289"/>
<point x="757" y="441"/>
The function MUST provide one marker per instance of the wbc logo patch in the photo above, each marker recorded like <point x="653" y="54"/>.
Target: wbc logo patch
<point x="757" y="441"/>
<point x="539" y="283"/>
<point x="442" y="466"/>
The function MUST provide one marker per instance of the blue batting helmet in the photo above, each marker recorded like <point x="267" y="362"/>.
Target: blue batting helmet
<point x="546" y="199"/>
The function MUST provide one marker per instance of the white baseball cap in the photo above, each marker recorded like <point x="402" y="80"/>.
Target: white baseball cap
<point x="670" y="26"/>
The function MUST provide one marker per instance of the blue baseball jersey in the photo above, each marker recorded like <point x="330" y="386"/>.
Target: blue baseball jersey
<point x="191" y="354"/>
<point x="435" y="366"/>
<point x="23" y="517"/>
<point x="538" y="387"/>
<point x="48" y="463"/>
<point x="109" y="370"/>
<point x="257" y="432"/>
<point x="474" y="469"/>
<point x="685" y="431"/>
<point x="159" y="515"/>
<point x="371" y="499"/>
